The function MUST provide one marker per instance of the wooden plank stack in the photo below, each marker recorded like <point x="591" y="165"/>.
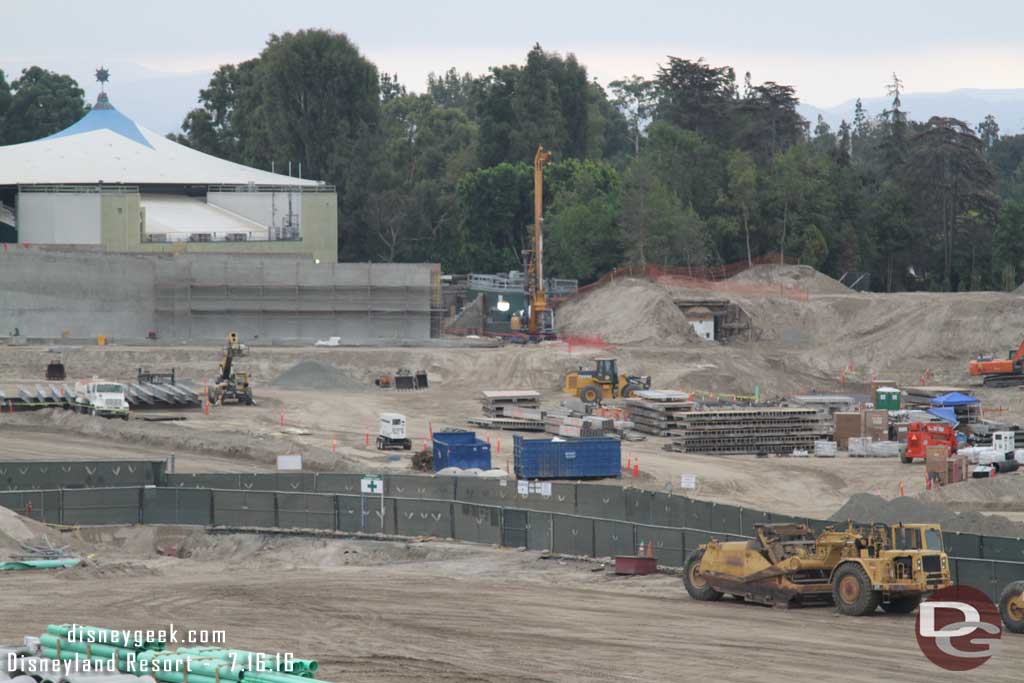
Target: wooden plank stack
<point x="764" y="430"/>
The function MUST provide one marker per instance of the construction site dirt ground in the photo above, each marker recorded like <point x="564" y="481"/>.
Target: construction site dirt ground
<point x="447" y="611"/>
<point x="441" y="611"/>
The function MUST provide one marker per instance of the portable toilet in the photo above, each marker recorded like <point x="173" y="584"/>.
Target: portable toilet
<point x="887" y="398"/>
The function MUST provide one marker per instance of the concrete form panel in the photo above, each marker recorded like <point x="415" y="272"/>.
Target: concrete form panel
<point x="423" y="518"/>
<point x="101" y="506"/>
<point x="608" y="502"/>
<point x="613" y="538"/>
<point x="46" y="294"/>
<point x="305" y="511"/>
<point x="478" y="524"/>
<point x="572" y="535"/>
<point x="413" y="486"/>
<point x="244" y="508"/>
<point x="176" y="506"/>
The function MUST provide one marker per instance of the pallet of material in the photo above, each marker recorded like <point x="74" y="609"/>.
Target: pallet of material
<point x="657" y="417"/>
<point x="866" y="447"/>
<point x="507" y="424"/>
<point x="750" y="430"/>
<point x="503" y="403"/>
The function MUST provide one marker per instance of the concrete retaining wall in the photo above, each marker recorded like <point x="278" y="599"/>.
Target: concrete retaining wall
<point x="46" y="293"/>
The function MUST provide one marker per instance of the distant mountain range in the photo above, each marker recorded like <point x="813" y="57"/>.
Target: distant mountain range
<point x="969" y="104"/>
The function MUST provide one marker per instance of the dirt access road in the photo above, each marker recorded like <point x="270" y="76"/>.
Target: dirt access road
<point x="450" y="612"/>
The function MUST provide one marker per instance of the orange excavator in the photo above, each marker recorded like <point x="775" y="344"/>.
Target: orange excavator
<point x="1000" y="373"/>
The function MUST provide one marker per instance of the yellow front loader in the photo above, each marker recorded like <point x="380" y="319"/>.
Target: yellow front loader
<point x="603" y="382"/>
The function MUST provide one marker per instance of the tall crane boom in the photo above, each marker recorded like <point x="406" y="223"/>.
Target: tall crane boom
<point x="538" y="297"/>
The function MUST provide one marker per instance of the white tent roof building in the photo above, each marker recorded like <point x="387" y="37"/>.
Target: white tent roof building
<point x="106" y="146"/>
<point x="107" y="182"/>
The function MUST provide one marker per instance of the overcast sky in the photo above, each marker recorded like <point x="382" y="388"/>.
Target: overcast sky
<point x="830" y="51"/>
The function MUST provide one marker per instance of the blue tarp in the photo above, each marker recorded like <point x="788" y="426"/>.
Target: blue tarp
<point x="945" y="414"/>
<point x="954" y="398"/>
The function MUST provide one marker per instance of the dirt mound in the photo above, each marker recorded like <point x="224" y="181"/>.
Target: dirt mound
<point x="311" y="374"/>
<point x="801" y="277"/>
<point x="16" y="529"/>
<point x="626" y="312"/>
<point x="865" y="507"/>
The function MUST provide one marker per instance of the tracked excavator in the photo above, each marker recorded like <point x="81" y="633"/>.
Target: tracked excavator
<point x="230" y="384"/>
<point x="998" y="372"/>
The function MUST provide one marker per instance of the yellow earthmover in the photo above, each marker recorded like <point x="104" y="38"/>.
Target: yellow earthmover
<point x="856" y="568"/>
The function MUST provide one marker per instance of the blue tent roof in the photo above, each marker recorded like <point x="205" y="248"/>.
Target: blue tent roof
<point x="104" y="117"/>
<point x="954" y="398"/>
<point x="945" y="414"/>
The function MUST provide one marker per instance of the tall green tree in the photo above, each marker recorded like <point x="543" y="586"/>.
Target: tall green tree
<point x="697" y="96"/>
<point x="988" y="131"/>
<point x="634" y="97"/>
<point x="742" y="190"/>
<point x="43" y="103"/>
<point x="5" y="101"/>
<point x="949" y="175"/>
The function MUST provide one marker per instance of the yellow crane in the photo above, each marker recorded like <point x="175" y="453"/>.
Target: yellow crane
<point x="535" y="268"/>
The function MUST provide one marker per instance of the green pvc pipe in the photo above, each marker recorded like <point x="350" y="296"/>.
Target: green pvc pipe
<point x="179" y="677"/>
<point x="21" y="565"/>
<point x="274" y="677"/>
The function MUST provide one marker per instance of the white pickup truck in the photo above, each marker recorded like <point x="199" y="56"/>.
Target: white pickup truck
<point x="98" y="397"/>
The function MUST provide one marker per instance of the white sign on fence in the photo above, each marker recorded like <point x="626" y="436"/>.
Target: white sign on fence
<point x="374" y="485"/>
<point x="688" y="481"/>
<point x="523" y="487"/>
<point x="289" y="463"/>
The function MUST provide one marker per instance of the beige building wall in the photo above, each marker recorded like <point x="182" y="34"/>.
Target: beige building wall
<point x="122" y="231"/>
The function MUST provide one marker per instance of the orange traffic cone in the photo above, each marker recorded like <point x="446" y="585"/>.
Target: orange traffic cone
<point x="650" y="549"/>
<point x="629" y="464"/>
<point x="901" y="489"/>
<point x="636" y="468"/>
